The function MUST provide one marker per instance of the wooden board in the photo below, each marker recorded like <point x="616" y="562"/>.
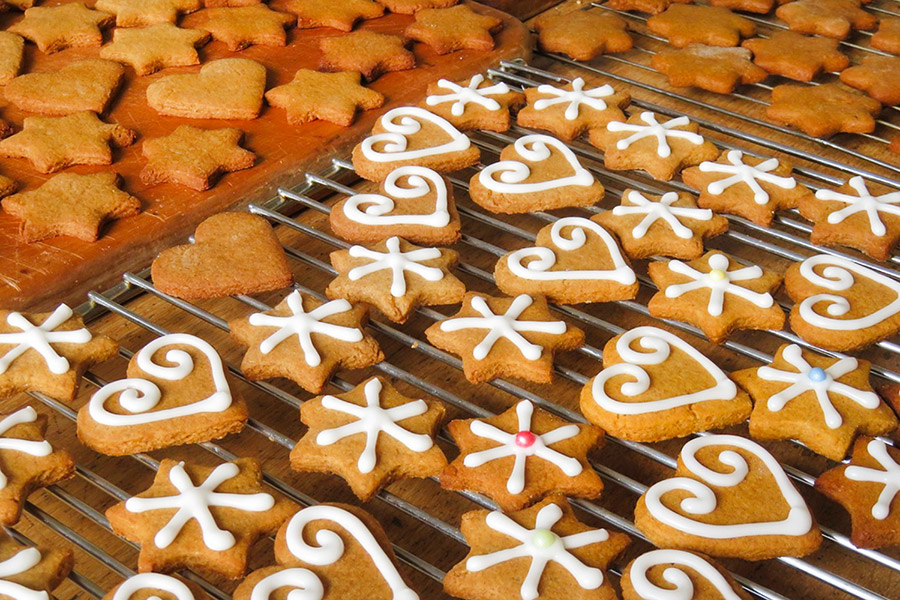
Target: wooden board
<point x="522" y="9"/>
<point x="63" y="269"/>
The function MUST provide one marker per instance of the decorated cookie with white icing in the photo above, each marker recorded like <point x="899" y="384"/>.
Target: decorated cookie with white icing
<point x="541" y="552"/>
<point x="712" y="504"/>
<point x="656" y="386"/>
<point x="536" y="172"/>
<point x="574" y="260"/>
<point x="478" y="103"/>
<point x="717" y="294"/>
<point x="570" y="110"/>
<point x="175" y="392"/>
<point x="155" y="585"/>
<point x="29" y="573"/>
<point x="678" y="575"/>
<point x="410" y="135"/>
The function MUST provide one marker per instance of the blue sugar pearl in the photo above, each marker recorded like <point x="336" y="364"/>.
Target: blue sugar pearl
<point x="817" y="374"/>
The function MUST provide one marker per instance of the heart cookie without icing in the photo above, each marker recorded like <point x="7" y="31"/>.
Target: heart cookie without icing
<point x="232" y="253"/>
<point x="83" y="85"/>
<point x="230" y="88"/>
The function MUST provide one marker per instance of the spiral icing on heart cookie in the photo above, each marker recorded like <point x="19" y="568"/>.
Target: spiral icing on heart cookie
<point x="512" y="177"/>
<point x="679" y="569"/>
<point x="152" y="582"/>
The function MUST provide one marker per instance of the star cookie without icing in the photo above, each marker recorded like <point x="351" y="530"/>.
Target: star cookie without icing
<point x="12" y="47"/>
<point x="570" y="110"/>
<point x="30" y="573"/>
<point x="370" y="436"/>
<point x="396" y="277"/>
<point x="747" y="186"/>
<point x="654" y="7"/>
<point x="522" y="455"/>
<point x="823" y="110"/>
<point x="716" y="294"/>
<point x="338" y="15"/>
<point x="796" y="56"/>
<point x="71" y="204"/>
<point x="140" y="13"/>
<point x="887" y="38"/>
<point x="149" y="49"/>
<point x="83" y="85"/>
<point x="332" y="97"/>
<point x="54" y="143"/>
<point x="711" y="68"/>
<point x="305" y="340"/>
<point x="372" y="54"/>
<point x="684" y="24"/>
<point x="29" y="462"/>
<point x="505" y="337"/>
<point x="583" y="34"/>
<point x="878" y="76"/>
<point x="829" y="18"/>
<point x="478" y="103"/>
<point x="55" y="28"/>
<point x="243" y="26"/>
<point x="409" y="7"/>
<point x="200" y="517"/>
<point x="447" y="30"/>
<point x="868" y="487"/>
<point x="194" y="157"/>
<point x="563" y="557"/>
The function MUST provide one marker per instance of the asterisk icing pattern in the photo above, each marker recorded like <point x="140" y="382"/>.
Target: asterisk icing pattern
<point x="18" y="564"/>
<point x="40" y="337"/>
<point x="719" y="281"/>
<point x="889" y="477"/>
<point x="661" y="210"/>
<point x="741" y="172"/>
<point x="397" y="263"/>
<point x="863" y="202"/>
<point x="653" y="128"/>
<point x="30" y="447"/>
<point x="463" y="95"/>
<point x="574" y="97"/>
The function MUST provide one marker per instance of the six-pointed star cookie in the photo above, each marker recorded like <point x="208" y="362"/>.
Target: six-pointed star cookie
<point x="372" y="54"/>
<point x="83" y="85"/>
<point x="332" y="97"/>
<point x="194" y="157"/>
<point x="654" y="7"/>
<point x="31" y="573"/>
<point x="149" y="49"/>
<point x="823" y="110"/>
<point x="199" y="517"/>
<point x="140" y="13"/>
<point x="370" y="436"/>
<point x="305" y="340"/>
<point x="570" y="110"/>
<point x="339" y="15"/>
<point x="505" y="337"/>
<point x="523" y="455"/>
<point x="55" y="28"/>
<point x="478" y="103"/>
<point x="447" y="30"/>
<point x="710" y="68"/>
<point x="684" y="24"/>
<point x="796" y="56"/>
<point x="243" y="26"/>
<point x="409" y="7"/>
<point x="54" y="143"/>
<point x="581" y="34"/>
<point x="71" y="204"/>
<point x="831" y="18"/>
<point x="878" y="76"/>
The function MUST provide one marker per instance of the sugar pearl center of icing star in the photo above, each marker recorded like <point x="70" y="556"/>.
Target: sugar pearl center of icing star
<point x="525" y="439"/>
<point x="817" y="374"/>
<point x="717" y="274"/>
<point x="543" y="538"/>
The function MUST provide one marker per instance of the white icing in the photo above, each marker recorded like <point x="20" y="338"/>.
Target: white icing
<point x="741" y="172"/>
<point x="575" y="97"/>
<point x="655" y="129"/>
<point x="541" y="259"/>
<point x="372" y="420"/>
<point x="304" y="583"/>
<point x="30" y="447"/>
<point x="397" y="263"/>
<point x="682" y="587"/>
<point x="718" y="288"/>
<point x="539" y="555"/>
<point x="660" y="344"/>
<point x="540" y="447"/>
<point x="508" y="176"/>
<point x="195" y="501"/>
<point x="506" y="326"/>
<point x="661" y="210"/>
<point x="419" y="183"/>
<point x="801" y="382"/>
<point x="405" y="121"/>
<point x="838" y="276"/>
<point x="18" y="564"/>
<point x="303" y="324"/>
<point x="889" y="477"/>
<point x="863" y="202"/>
<point x="40" y="339"/>
<point x="153" y="581"/>
<point x="701" y="499"/>
<point x="140" y="396"/>
<point x="330" y="546"/>
<point x="460" y="95"/>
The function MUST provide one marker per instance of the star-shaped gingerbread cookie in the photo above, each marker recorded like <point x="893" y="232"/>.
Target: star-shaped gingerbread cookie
<point x="396" y="277"/>
<point x="12" y="48"/>
<point x="194" y="157"/>
<point x="478" y="103"/>
<point x="505" y="337"/>
<point x="305" y="340"/>
<point x="370" y="436"/>
<point x="55" y="28"/>
<point x="409" y="7"/>
<point x="823" y="110"/>
<point x="54" y="143"/>
<point x="572" y="109"/>
<point x="140" y="13"/>
<point x="710" y="68"/>
<point x="71" y="204"/>
<point x="447" y="30"/>
<point x="332" y="97"/>
<point x="149" y="49"/>
<point x="830" y="18"/>
<point x="32" y="573"/>
<point x="887" y="38"/>
<point x="338" y="15"/>
<point x="878" y="76"/>
<point x="372" y="54"/>
<point x="684" y="24"/>
<point x="83" y="85"/>
<point x="797" y="56"/>
<point x="200" y="517"/>
<point x="583" y="34"/>
<point x="523" y="455"/>
<point x="243" y="26"/>
<point x="654" y="7"/>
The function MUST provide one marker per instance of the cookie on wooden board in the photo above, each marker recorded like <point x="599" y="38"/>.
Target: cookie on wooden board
<point x="150" y="49"/>
<point x="228" y="88"/>
<point x="332" y="97"/>
<point x="448" y="30"/>
<point x="338" y="15"/>
<point x="141" y="13"/>
<point x="243" y="26"/>
<point x="88" y="84"/>
<point x="370" y="53"/>
<point x="55" y="28"/>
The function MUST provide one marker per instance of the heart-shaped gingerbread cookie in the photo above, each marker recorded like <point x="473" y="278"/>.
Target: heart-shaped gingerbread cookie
<point x="232" y="253"/>
<point x="230" y="88"/>
<point x="83" y="85"/>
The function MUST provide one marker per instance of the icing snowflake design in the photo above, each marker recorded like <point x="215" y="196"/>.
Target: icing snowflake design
<point x="823" y="382"/>
<point x="30" y="447"/>
<point x="655" y="129"/>
<point x="372" y="420"/>
<point x="397" y="263"/>
<point x="195" y="502"/>
<point x="889" y="478"/>
<point x="18" y="564"/>
<point x="719" y="281"/>
<point x="863" y="202"/>
<point x="541" y="546"/>
<point x="506" y="326"/>
<point x="574" y="97"/>
<point x="303" y="324"/>
<point x="741" y="172"/>
<point x="40" y="337"/>
<point x="470" y="94"/>
<point x="662" y="210"/>
<point x="521" y="445"/>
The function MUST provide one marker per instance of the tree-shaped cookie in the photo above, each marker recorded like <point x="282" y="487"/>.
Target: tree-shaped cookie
<point x="474" y="104"/>
<point x="332" y="97"/>
<point x="29" y="573"/>
<point x="650" y="577"/>
<point x="570" y="110"/>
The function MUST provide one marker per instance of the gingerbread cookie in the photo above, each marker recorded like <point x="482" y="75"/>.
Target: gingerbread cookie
<point x="887" y="38"/>
<point x="823" y="110"/>
<point x="730" y="473"/>
<point x="155" y="585"/>
<point x="149" y="49"/>
<point x="829" y="18"/>
<point x="305" y="340"/>
<point x="31" y="573"/>
<point x="762" y="7"/>
<point x="372" y="54"/>
<point x="396" y="277"/>
<point x="332" y="97"/>
<point x="228" y="88"/>
<point x="583" y="34"/>
<point x="12" y="47"/>
<point x="796" y="56"/>
<point x="878" y="76"/>
<point x="575" y="260"/>
<point x="684" y="24"/>
<point x="447" y="30"/>
<point x="654" y="7"/>
<point x="55" y="28"/>
<point x="711" y="68"/>
<point x="649" y="577"/>
<point x="474" y="104"/>
<point x="83" y="85"/>
<point x="505" y="337"/>
<point x="141" y="13"/>
<point x="243" y="26"/>
<point x="411" y="7"/>
<point x="569" y="111"/>
<point x="338" y="15"/>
